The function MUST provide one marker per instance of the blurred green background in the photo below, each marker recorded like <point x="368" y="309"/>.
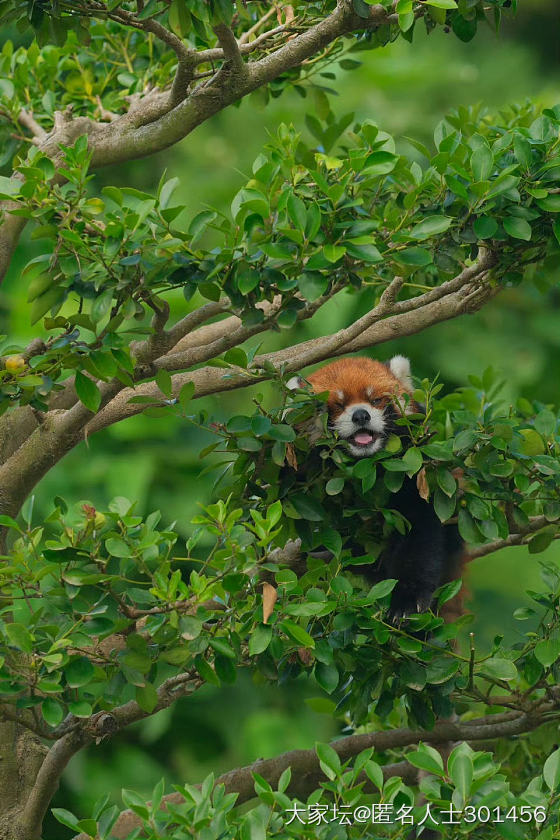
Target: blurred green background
<point x="407" y="90"/>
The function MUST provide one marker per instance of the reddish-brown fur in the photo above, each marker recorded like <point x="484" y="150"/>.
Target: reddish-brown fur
<point x="355" y="377"/>
<point x="361" y="379"/>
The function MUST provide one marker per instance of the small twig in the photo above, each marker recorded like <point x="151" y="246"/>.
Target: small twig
<point x="471" y="661"/>
<point x="535" y="524"/>
<point x="256" y="26"/>
<point x="26" y="119"/>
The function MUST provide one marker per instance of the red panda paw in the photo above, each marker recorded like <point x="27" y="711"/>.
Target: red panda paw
<point x="404" y="604"/>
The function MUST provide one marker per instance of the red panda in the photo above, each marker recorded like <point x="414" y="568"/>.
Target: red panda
<point x="365" y="399"/>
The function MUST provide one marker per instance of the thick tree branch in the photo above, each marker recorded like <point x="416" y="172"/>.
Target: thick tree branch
<point x="439" y="307"/>
<point x="47" y="781"/>
<point x="160" y="119"/>
<point x="307" y="774"/>
<point x="126" y="139"/>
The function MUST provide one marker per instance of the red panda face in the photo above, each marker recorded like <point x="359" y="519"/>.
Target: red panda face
<point x="363" y="399"/>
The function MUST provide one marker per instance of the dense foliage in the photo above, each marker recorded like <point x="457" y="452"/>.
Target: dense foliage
<point x="107" y="614"/>
<point x="307" y="225"/>
<point x="105" y="610"/>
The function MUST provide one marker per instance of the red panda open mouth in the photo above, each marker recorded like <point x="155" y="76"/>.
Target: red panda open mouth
<point x="363" y="437"/>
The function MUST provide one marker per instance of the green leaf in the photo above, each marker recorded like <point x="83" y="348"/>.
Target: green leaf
<point x="522" y="149"/>
<point x="312" y="285"/>
<point x="467" y="527"/>
<point x="147" y="697"/>
<point x="79" y="672"/>
<point x="426" y="758"/>
<point x="9" y="186"/>
<point x="80" y="708"/>
<point x="297" y="212"/>
<point x="327" y="676"/>
<point x="27" y="510"/>
<point x="547" y="651"/>
<point x="201" y="222"/>
<point x="446" y="481"/>
<point x="381" y="589"/>
<point x="414" y="256"/>
<point x="206" y="671"/>
<point x="260" y="639"/>
<point x="482" y="161"/>
<point x="66" y="818"/>
<point x="441" y="669"/>
<point x="186" y="394"/>
<point x="334" y="486"/>
<point x="532" y="443"/>
<point x="135" y="802"/>
<point x="545" y="422"/>
<point x="333" y="253"/>
<point x="282" y="432"/>
<point x="248" y="281"/>
<point x="461" y="772"/>
<point x="163" y="381"/>
<point x="53" y="711"/>
<point x="380" y="163"/>
<point x="329" y="760"/>
<point x="374" y="773"/>
<point x="412" y="460"/>
<point x="307" y="507"/>
<point x="166" y="192"/>
<point x="19" y="637"/>
<point x="444" y="505"/>
<point x="366" y="253"/>
<point x="431" y="226"/>
<point x="8" y="522"/>
<point x="500" y="669"/>
<point x="485" y="227"/>
<point x="222" y="647"/>
<point x="442" y="4"/>
<point x="297" y="633"/>
<point x="551" y="203"/>
<point x="44" y="302"/>
<point x="517" y="227"/>
<point x="551" y="770"/>
<point x="448" y="591"/>
<point x="541" y="540"/>
<point x="118" y="547"/>
<point x="87" y="391"/>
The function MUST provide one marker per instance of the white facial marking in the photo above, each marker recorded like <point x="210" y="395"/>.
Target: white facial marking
<point x="347" y="427"/>
<point x="340" y="395"/>
<point x="295" y="382"/>
<point x="400" y="367"/>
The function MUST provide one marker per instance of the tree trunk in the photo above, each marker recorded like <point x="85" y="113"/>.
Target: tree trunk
<point x="21" y="755"/>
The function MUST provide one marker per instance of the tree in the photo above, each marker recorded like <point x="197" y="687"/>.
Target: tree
<point x="102" y="622"/>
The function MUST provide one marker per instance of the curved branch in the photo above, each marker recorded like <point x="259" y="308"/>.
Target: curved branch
<point x="209" y="380"/>
<point x="520" y="538"/>
<point x="307" y="774"/>
<point x="160" y="119"/>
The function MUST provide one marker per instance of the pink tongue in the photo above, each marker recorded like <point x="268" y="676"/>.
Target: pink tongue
<point x="363" y="437"/>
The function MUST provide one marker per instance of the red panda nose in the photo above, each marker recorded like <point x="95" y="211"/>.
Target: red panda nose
<point x="361" y="417"/>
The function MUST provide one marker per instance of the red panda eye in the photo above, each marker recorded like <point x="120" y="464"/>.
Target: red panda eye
<point x="377" y="401"/>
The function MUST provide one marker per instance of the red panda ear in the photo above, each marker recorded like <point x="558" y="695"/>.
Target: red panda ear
<point x="295" y="382"/>
<point x="400" y="368"/>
